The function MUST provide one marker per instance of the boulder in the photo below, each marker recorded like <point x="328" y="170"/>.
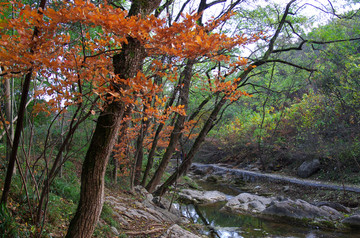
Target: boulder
<point x="175" y="231"/>
<point x="335" y="205"/>
<point x="202" y="197"/>
<point x="300" y="209"/>
<point x="165" y="204"/>
<point x="308" y="168"/>
<point x="352" y="221"/>
<point x="246" y="202"/>
<point x="114" y="231"/>
<point x="146" y="209"/>
<point x="279" y="207"/>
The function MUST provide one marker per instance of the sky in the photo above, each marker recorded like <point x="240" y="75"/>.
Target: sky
<point x="308" y="10"/>
<point x="311" y="8"/>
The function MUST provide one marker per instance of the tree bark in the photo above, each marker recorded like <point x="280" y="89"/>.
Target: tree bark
<point x="190" y="155"/>
<point x="177" y="131"/>
<point x="126" y="65"/>
<point x="20" y="122"/>
<point x="93" y="172"/>
<point x="8" y="115"/>
<point x="139" y="155"/>
<point x="155" y="141"/>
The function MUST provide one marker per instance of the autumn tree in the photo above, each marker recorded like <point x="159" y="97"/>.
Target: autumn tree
<point x="117" y="66"/>
<point x="271" y="49"/>
<point x="101" y="71"/>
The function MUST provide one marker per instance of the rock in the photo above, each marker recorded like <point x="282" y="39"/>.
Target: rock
<point x="246" y="202"/>
<point x="279" y="207"/>
<point x="175" y="231"/>
<point x="336" y="206"/>
<point x="144" y="193"/>
<point x="161" y="214"/>
<point x="308" y="168"/>
<point x="212" y="178"/>
<point x="165" y="204"/>
<point x="300" y="209"/>
<point x="197" y="171"/>
<point x="146" y="209"/>
<point x="115" y="231"/>
<point x="202" y="197"/>
<point x="352" y="221"/>
<point x="286" y="188"/>
<point x="238" y="181"/>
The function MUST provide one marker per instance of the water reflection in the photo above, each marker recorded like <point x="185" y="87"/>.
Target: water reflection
<point x="225" y="225"/>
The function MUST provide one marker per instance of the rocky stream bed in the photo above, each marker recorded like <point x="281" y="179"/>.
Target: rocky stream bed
<point x="281" y="199"/>
<point x="228" y="202"/>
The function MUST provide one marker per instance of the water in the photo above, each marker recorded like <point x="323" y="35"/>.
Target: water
<point x="221" y="224"/>
<point x="226" y="225"/>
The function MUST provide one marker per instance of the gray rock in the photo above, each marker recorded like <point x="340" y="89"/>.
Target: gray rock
<point x="300" y="209"/>
<point x="146" y="209"/>
<point x="165" y="204"/>
<point x="352" y="221"/>
<point x="175" y="231"/>
<point x="202" y="197"/>
<point x="246" y="202"/>
<point x="115" y="231"/>
<point x="280" y="207"/>
<point x="286" y="188"/>
<point x="143" y="192"/>
<point x="335" y="205"/>
<point x="212" y="178"/>
<point x="308" y="168"/>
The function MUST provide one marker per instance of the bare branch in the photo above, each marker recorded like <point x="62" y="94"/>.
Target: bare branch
<point x="291" y="64"/>
<point x="164" y="6"/>
<point x="214" y="2"/>
<point x="314" y="42"/>
<point x="278" y="30"/>
<point x="181" y="10"/>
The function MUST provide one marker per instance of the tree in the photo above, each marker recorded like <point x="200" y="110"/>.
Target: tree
<point x="105" y="61"/>
<point x="81" y="77"/>
<point x="284" y="28"/>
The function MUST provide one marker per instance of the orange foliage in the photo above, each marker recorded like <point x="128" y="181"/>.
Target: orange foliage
<point x="77" y="65"/>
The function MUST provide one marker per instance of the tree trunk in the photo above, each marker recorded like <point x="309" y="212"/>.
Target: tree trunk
<point x="201" y="137"/>
<point x="188" y="158"/>
<point x="19" y="124"/>
<point x="93" y="172"/>
<point x="179" y="125"/>
<point x="139" y="154"/>
<point x="8" y="115"/>
<point x="155" y="141"/>
<point x="126" y="65"/>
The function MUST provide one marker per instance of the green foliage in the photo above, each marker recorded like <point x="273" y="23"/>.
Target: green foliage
<point x="107" y="215"/>
<point x="8" y="226"/>
<point x="67" y="186"/>
<point x="190" y="182"/>
<point x="59" y="209"/>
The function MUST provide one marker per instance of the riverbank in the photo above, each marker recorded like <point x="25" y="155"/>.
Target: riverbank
<point x="283" y="199"/>
<point x="138" y="214"/>
<point x="267" y="184"/>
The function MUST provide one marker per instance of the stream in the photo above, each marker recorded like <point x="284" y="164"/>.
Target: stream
<point x="225" y="225"/>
